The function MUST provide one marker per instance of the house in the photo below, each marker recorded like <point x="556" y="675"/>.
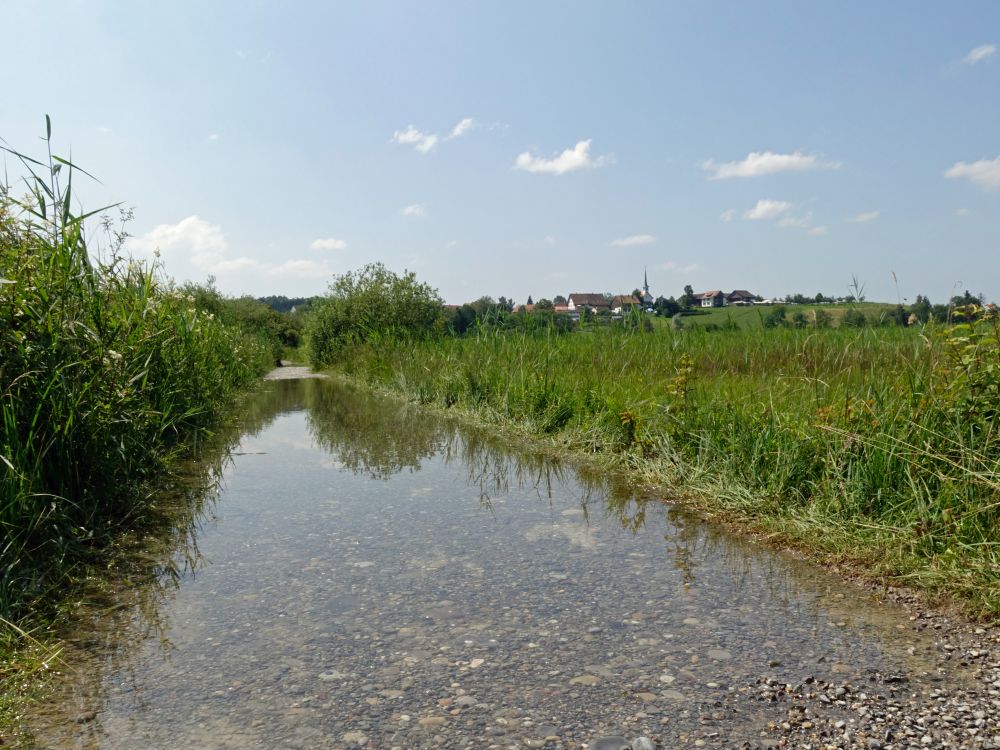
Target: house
<point x="591" y="302"/>
<point x="740" y="297"/>
<point x="623" y="302"/>
<point x="714" y="298"/>
<point x="524" y="308"/>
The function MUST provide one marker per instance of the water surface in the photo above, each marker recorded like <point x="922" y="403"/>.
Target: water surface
<point x="370" y="574"/>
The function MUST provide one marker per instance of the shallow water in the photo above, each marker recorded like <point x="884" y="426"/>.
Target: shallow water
<point x="372" y="574"/>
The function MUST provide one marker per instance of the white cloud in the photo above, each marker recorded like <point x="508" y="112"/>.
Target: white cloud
<point x="985" y="172"/>
<point x="767" y="209"/>
<point x="463" y="126"/>
<point x="817" y="231"/>
<point x="633" y="240"/>
<point x="757" y="164"/>
<point x="550" y="240"/>
<point x="204" y="243"/>
<point x="328" y="243"/>
<point x="212" y="137"/>
<point x="963" y="212"/>
<point x="728" y="215"/>
<point x="414" y="209"/>
<point x="423" y="142"/>
<point x="980" y="53"/>
<point x="672" y="266"/>
<point x="569" y="160"/>
<point x="865" y="216"/>
<point x="453" y="243"/>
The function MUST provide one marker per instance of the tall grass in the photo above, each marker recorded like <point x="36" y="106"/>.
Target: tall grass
<point x="106" y="373"/>
<point x="878" y="445"/>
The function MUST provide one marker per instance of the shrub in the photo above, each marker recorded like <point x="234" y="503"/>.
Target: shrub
<point x="371" y="304"/>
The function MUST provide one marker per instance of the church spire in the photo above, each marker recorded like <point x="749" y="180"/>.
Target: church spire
<point x="645" y="281"/>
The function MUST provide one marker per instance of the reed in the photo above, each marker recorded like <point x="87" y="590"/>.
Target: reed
<point x="877" y="446"/>
<point x="107" y="372"/>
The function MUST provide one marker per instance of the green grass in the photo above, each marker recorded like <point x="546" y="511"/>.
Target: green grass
<point x="752" y="316"/>
<point x="873" y="445"/>
<point x="108" y="373"/>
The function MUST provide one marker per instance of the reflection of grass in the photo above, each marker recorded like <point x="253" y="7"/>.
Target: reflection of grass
<point x="876" y="445"/>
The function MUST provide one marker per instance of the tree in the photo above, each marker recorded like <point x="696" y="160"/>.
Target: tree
<point x="637" y="293"/>
<point x="370" y="303"/>
<point x="687" y="299"/>
<point x="921" y="308"/>
<point x="666" y="307"/>
<point x="529" y="300"/>
<point x="543" y="304"/>
<point x="559" y="300"/>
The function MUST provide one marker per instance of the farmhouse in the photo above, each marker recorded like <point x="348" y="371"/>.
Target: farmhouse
<point x="740" y="297"/>
<point x="714" y="298"/>
<point x="718" y="298"/>
<point x="589" y="301"/>
<point x="623" y="302"/>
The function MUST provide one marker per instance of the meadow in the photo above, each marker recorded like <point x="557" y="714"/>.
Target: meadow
<point x="875" y="447"/>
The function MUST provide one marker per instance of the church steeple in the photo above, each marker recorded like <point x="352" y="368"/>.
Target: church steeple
<point x="645" y="281"/>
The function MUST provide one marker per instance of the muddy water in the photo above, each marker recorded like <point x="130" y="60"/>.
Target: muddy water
<point x="372" y="576"/>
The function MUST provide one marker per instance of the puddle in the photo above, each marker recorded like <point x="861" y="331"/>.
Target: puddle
<point x="372" y="576"/>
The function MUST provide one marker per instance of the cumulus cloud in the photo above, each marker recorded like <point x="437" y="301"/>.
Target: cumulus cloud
<point x="328" y="243"/>
<point x="463" y="126"/>
<point x="633" y="240"/>
<point x="728" y="215"/>
<point x="985" y="172"/>
<point x="864" y="217"/>
<point x="758" y="164"/>
<point x="980" y="53"/>
<point x="569" y="160"/>
<point x="767" y="209"/>
<point x="414" y="209"/>
<point x="204" y="245"/>
<point x="203" y="242"/>
<point x="425" y="142"/>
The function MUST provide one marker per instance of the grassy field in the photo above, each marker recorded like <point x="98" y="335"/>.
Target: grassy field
<point x="876" y="446"/>
<point x="752" y="316"/>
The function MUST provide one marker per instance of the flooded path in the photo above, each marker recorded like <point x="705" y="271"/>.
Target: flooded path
<point x="371" y="576"/>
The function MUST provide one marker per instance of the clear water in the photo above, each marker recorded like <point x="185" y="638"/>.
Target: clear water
<point x="373" y="574"/>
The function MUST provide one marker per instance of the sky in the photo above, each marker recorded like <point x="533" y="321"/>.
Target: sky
<point x="529" y="148"/>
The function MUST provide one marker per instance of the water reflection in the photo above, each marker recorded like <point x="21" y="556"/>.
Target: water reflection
<point x="349" y="534"/>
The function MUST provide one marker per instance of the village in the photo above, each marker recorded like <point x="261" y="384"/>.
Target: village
<point x="597" y="303"/>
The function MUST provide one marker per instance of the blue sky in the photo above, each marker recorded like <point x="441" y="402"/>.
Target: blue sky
<point x="526" y="148"/>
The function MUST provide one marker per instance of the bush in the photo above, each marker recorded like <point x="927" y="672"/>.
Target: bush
<point x="371" y="304"/>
